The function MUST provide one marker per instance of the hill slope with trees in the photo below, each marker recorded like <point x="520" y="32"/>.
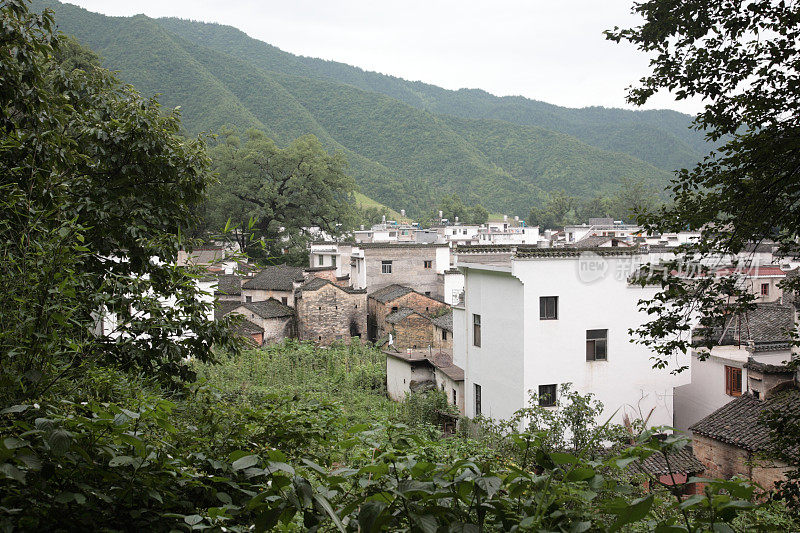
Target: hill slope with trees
<point x="407" y="144"/>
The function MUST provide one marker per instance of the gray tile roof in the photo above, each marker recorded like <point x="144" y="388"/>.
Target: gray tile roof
<point x="245" y="327"/>
<point x="316" y="283"/>
<point x="271" y="308"/>
<point x="444" y="321"/>
<point x="275" y="278"/>
<point x="229" y="284"/>
<point x="766" y="368"/>
<point x="767" y="326"/>
<point x="400" y="314"/>
<point x="739" y="422"/>
<point x="389" y="293"/>
<point x="223" y="307"/>
<point x="681" y="461"/>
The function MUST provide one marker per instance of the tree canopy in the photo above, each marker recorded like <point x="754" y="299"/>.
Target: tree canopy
<point x="283" y="191"/>
<point x="742" y="59"/>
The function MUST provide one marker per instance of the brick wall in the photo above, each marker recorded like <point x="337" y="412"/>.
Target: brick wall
<point x="330" y="313"/>
<point x="442" y="343"/>
<point x="414" y="331"/>
<point x="418" y="302"/>
<point x="725" y="461"/>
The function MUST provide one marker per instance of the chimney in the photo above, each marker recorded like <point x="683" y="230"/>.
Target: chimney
<point x="440" y="214"/>
<point x="402" y="212"/>
<point x="456" y="219"/>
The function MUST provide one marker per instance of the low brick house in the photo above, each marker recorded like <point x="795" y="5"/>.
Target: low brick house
<point x="390" y="299"/>
<point x="327" y="312"/>
<point x="278" y="282"/>
<point x="734" y="439"/>
<point x="274" y="318"/>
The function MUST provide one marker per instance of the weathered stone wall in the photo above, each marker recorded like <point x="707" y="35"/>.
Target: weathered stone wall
<point x="725" y="461"/>
<point x="414" y="331"/>
<point x="408" y="268"/>
<point x="275" y="329"/>
<point x="330" y="313"/>
<point x="418" y="302"/>
<point x="442" y="339"/>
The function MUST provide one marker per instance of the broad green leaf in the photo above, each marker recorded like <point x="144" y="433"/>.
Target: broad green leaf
<point x="245" y="462"/>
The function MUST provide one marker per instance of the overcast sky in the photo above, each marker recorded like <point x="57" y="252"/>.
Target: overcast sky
<point x="546" y="50"/>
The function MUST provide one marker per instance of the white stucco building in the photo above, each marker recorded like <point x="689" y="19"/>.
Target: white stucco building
<point x="535" y="319"/>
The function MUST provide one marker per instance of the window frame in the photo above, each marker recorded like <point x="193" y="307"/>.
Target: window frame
<point x="594" y="340"/>
<point x="320" y="260"/>
<point x="427" y="263"/>
<point x="543" y="311"/>
<point x="733" y="376"/>
<point x="765" y="289"/>
<point x="384" y="264"/>
<point x="476" y="330"/>
<point x="478" y="400"/>
<point x="543" y="393"/>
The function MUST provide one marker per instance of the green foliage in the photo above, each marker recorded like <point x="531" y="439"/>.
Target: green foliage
<point x="271" y="194"/>
<point x="428" y="408"/>
<point x="742" y="60"/>
<point x="407" y="144"/>
<point x="96" y="188"/>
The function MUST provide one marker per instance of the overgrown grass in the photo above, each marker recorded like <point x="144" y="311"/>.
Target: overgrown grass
<point x="351" y="376"/>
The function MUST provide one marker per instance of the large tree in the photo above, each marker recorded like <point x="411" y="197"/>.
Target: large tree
<point x="275" y="194"/>
<point x="742" y="60"/>
<point x="96" y="187"/>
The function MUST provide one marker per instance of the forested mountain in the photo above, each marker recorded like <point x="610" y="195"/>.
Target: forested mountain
<point x="407" y="143"/>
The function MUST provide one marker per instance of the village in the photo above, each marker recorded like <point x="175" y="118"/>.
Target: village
<point x="498" y="314"/>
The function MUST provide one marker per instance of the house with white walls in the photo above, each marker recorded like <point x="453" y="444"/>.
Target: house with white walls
<point x="760" y="338"/>
<point x="534" y="319"/>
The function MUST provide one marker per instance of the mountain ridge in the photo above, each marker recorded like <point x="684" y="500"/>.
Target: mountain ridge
<point x="402" y="155"/>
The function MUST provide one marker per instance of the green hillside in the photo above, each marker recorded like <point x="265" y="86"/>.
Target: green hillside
<point x="659" y="137"/>
<point x="407" y="143"/>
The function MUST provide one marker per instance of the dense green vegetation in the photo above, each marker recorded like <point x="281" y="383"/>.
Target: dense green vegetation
<point x="402" y="142"/>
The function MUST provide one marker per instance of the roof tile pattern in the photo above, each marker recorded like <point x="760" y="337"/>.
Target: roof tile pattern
<point x="229" y="284"/>
<point x="275" y="278"/>
<point x="739" y="422"/>
<point x="271" y="308"/>
<point x="390" y="292"/>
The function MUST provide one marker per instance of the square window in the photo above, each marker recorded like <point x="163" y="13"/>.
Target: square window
<point x="386" y="267"/>
<point x="476" y="330"/>
<point x="477" y="400"/>
<point x="548" y="308"/>
<point x="427" y="263"/>
<point x="596" y="344"/>
<point x="248" y="298"/>
<point x="733" y="381"/>
<point x="547" y="395"/>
